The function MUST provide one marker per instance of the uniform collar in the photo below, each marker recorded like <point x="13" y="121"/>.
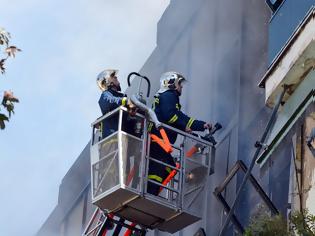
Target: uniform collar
<point x="116" y="93"/>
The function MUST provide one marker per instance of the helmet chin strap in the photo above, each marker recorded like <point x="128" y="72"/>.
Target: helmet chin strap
<point x="116" y="88"/>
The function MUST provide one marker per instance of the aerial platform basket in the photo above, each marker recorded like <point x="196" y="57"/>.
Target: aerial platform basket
<point x="119" y="169"/>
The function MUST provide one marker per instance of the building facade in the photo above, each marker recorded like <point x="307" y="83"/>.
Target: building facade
<point x="236" y="56"/>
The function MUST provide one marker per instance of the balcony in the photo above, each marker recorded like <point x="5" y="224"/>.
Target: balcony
<point x="295" y="60"/>
<point x="284" y="21"/>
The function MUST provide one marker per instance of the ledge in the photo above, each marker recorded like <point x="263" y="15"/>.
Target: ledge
<point x="293" y="63"/>
<point x="290" y="112"/>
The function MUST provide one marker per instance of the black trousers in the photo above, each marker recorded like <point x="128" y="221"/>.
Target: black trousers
<point x="157" y="171"/>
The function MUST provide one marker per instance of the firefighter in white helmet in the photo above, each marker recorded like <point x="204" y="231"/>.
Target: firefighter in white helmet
<point x="110" y="99"/>
<point x="168" y="110"/>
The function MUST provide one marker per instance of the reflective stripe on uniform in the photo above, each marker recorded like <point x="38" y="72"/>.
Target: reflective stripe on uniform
<point x="191" y="120"/>
<point x="101" y="126"/>
<point x="155" y="177"/>
<point x="156" y="101"/>
<point x="177" y="106"/>
<point x="173" y="119"/>
<point x="168" y="169"/>
<point x="124" y="101"/>
<point x="150" y="126"/>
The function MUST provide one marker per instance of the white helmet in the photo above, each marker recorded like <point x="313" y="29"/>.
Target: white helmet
<point x="169" y="80"/>
<point x="104" y="79"/>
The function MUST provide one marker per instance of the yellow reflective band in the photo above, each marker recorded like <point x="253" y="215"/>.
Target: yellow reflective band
<point x="168" y="169"/>
<point x="173" y="119"/>
<point x="191" y="120"/>
<point x="177" y="106"/>
<point x="155" y="177"/>
<point x="124" y="101"/>
<point x="150" y="126"/>
<point x="156" y="101"/>
<point x="101" y="126"/>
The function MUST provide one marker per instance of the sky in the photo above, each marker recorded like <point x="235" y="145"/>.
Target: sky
<point x="65" y="44"/>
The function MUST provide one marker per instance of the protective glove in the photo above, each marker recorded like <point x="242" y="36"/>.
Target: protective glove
<point x="207" y="126"/>
<point x="132" y="108"/>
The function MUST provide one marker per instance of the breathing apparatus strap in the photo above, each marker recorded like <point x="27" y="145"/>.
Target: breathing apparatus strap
<point x="164" y="142"/>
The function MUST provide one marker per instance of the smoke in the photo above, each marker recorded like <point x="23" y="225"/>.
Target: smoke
<point x="215" y="44"/>
<point x="65" y="45"/>
<point x="220" y="47"/>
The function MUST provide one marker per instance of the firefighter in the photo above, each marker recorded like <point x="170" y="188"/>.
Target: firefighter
<point x="168" y="110"/>
<point x="110" y="99"/>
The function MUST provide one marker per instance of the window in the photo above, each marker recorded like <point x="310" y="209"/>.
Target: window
<point x="274" y="4"/>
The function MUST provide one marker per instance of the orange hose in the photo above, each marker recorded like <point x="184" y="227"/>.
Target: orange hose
<point x="192" y="151"/>
<point x="170" y="176"/>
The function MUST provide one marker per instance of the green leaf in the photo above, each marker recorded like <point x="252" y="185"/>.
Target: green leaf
<point x="10" y="108"/>
<point x="3" y="118"/>
<point x="2" y="68"/>
<point x="2" y="125"/>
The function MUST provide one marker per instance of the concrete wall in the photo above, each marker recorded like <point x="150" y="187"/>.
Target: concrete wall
<point x="221" y="47"/>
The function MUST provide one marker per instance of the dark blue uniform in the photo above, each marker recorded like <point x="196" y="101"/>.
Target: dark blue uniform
<point x="108" y="102"/>
<point x="168" y="110"/>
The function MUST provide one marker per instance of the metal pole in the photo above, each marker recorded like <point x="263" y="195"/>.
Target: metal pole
<point x="248" y="172"/>
<point x="143" y="165"/>
<point x="139" y="86"/>
<point x="181" y="175"/>
<point x="118" y="227"/>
